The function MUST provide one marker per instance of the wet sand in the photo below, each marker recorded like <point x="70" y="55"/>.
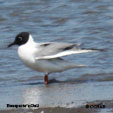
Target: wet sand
<point x="107" y="103"/>
<point x="60" y="97"/>
<point x="52" y="110"/>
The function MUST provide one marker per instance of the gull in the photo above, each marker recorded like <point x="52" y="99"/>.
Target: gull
<point x="46" y="57"/>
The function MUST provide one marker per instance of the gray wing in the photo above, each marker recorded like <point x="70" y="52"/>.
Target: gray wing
<point x="54" y="50"/>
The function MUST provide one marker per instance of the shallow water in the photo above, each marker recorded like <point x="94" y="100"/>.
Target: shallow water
<point x="89" y="23"/>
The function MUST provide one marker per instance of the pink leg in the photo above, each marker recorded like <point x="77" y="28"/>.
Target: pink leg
<point x="46" y="79"/>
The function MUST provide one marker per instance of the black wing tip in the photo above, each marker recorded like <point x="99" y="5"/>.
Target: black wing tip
<point x="102" y="50"/>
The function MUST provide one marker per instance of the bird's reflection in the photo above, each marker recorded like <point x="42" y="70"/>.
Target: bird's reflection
<point x="53" y="95"/>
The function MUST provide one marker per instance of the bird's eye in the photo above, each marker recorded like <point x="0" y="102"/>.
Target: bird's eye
<point x="20" y="38"/>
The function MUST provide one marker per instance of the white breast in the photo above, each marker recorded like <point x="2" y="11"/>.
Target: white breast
<point x="26" y="55"/>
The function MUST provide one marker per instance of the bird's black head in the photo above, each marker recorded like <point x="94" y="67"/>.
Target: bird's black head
<point x="20" y="39"/>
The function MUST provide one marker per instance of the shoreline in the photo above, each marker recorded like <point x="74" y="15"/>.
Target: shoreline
<point x="51" y="110"/>
<point x="82" y="109"/>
